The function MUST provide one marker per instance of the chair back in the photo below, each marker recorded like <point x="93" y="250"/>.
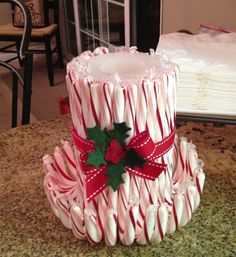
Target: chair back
<point x="26" y="59"/>
<point x="39" y="11"/>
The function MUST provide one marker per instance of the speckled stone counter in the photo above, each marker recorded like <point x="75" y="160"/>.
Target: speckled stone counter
<point x="28" y="227"/>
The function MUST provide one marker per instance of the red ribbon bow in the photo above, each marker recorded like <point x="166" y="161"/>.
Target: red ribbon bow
<point x="142" y="143"/>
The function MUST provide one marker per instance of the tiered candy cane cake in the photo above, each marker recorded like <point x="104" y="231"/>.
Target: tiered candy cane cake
<point x="126" y="176"/>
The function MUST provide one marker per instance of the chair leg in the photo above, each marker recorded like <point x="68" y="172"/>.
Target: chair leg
<point x="28" y="63"/>
<point x="59" y="49"/>
<point x="14" y="100"/>
<point x="49" y="60"/>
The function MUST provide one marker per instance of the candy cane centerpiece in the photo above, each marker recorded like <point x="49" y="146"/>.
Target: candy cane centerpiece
<point x="126" y="176"/>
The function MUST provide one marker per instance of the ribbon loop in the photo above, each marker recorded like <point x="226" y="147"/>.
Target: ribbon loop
<point x="142" y="144"/>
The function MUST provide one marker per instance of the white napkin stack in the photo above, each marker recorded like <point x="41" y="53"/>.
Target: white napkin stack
<point x="207" y="83"/>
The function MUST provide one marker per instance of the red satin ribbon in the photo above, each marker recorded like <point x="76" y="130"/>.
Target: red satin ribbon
<point x="96" y="178"/>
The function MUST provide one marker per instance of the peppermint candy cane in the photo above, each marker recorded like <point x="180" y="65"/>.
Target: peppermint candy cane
<point x="148" y="226"/>
<point x="160" y="224"/>
<point x="180" y="175"/>
<point x="123" y="201"/>
<point x="141" y="110"/>
<point x="71" y="162"/>
<point x="86" y="104"/>
<point x="51" y="196"/>
<point x="130" y="109"/>
<point x="102" y="202"/>
<point x="77" y="218"/>
<point x="106" y="118"/>
<point x="96" y="94"/>
<point x="199" y="179"/>
<point x="130" y="225"/>
<point x="75" y="90"/>
<point x="176" y="214"/>
<point x="64" y="212"/>
<point x="93" y="232"/>
<point x="152" y="119"/>
<point x="188" y="205"/>
<point x="76" y="118"/>
<point x="111" y="227"/>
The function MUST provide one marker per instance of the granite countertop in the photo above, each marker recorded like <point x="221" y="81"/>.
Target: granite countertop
<point x="28" y="226"/>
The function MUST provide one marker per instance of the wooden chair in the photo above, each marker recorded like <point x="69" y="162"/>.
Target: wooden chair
<point x="43" y="32"/>
<point x="26" y="59"/>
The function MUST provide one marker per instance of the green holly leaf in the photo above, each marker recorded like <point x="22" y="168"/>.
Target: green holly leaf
<point x="98" y="136"/>
<point x="115" y="175"/>
<point x="132" y="159"/>
<point x="96" y="158"/>
<point x="119" y="132"/>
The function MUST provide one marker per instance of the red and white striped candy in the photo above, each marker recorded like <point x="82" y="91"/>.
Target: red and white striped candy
<point x="93" y="231"/>
<point x="123" y="201"/>
<point x="130" y="109"/>
<point x="148" y="226"/>
<point x="106" y="118"/>
<point x="88" y="114"/>
<point x="199" y="179"/>
<point x="130" y="225"/>
<point x="77" y="218"/>
<point x="160" y="224"/>
<point x="142" y="107"/>
<point x="176" y="213"/>
<point x="63" y="208"/>
<point x="111" y="227"/>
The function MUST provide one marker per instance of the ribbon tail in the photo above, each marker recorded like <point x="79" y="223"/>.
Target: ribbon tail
<point x="96" y="182"/>
<point x="150" y="170"/>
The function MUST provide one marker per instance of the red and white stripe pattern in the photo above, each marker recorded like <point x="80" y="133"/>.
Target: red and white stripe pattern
<point x="123" y="201"/>
<point x="148" y="225"/>
<point x="160" y="224"/>
<point x="130" y="225"/>
<point x="77" y="219"/>
<point x="93" y="231"/>
<point x="176" y="213"/>
<point x="111" y="227"/>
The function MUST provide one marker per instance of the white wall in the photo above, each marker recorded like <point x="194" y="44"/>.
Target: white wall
<point x="5" y="14"/>
<point x="189" y="14"/>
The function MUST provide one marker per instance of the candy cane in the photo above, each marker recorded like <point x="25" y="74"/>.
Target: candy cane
<point x="102" y="202"/>
<point x="152" y="121"/>
<point x="106" y="111"/>
<point x="96" y="94"/>
<point x="64" y="212"/>
<point x="148" y="226"/>
<point x="160" y="224"/>
<point x="51" y="196"/>
<point x="199" y="179"/>
<point x="77" y="219"/>
<point x="141" y="110"/>
<point x="123" y="200"/>
<point x="77" y="105"/>
<point x="130" y="109"/>
<point x="176" y="213"/>
<point x="130" y="224"/>
<point x="93" y="232"/>
<point x="86" y="104"/>
<point x="111" y="227"/>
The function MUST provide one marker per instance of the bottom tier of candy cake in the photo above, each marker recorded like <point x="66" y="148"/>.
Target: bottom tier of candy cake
<point x="140" y="210"/>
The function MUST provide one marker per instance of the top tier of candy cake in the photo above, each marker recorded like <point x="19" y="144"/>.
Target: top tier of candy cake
<point x="137" y="88"/>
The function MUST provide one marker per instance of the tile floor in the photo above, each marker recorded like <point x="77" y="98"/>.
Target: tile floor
<point x="44" y="100"/>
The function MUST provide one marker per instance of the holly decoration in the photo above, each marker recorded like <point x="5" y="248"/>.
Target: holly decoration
<point x="110" y="150"/>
